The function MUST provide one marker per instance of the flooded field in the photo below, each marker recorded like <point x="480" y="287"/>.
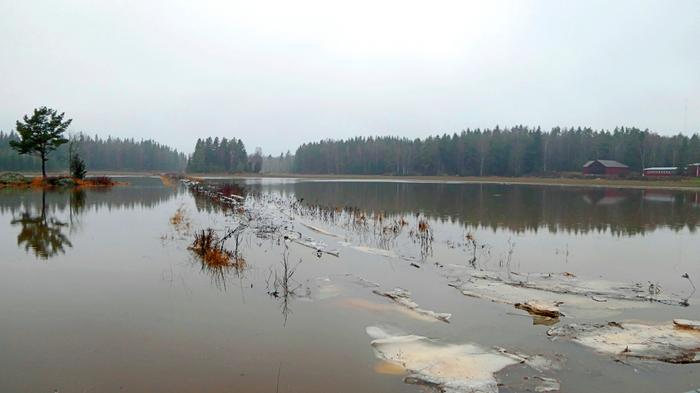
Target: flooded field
<point x="348" y="286"/>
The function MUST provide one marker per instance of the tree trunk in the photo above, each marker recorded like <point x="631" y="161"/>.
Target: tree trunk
<point x="43" y="165"/>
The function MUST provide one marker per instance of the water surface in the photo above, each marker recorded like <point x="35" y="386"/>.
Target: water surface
<point x="98" y="291"/>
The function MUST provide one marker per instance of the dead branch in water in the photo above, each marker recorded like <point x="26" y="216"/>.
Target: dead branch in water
<point x="281" y="285"/>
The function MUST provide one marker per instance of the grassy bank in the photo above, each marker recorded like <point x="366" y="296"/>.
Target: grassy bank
<point x="16" y="180"/>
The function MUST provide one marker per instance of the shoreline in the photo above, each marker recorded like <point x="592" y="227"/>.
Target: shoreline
<point x="686" y="184"/>
<point x="690" y="184"/>
<point x="14" y="180"/>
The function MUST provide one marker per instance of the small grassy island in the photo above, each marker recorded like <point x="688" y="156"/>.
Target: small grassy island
<point x="17" y="180"/>
<point x="39" y="135"/>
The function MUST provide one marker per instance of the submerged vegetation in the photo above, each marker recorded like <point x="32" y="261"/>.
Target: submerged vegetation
<point x="301" y="251"/>
<point x="215" y="259"/>
<point x="210" y="249"/>
<point x="282" y="221"/>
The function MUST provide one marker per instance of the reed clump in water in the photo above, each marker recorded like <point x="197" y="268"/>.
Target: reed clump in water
<point x="96" y="181"/>
<point x="168" y="180"/>
<point x="180" y="220"/>
<point x="210" y="249"/>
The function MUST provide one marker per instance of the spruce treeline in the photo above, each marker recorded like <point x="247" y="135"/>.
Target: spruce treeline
<point x="220" y="156"/>
<point x="111" y="154"/>
<point x="284" y="163"/>
<point x="496" y="152"/>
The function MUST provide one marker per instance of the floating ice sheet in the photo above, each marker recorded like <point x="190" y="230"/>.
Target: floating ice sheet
<point x="463" y="368"/>
<point x="668" y="342"/>
<point x="363" y="304"/>
<point x="319" y="230"/>
<point x="572" y="296"/>
<point x="403" y="297"/>
<point x="376" y="251"/>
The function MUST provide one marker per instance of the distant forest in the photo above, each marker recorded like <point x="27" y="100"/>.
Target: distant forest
<point x="496" y="152"/>
<point x="513" y="151"/>
<point x="284" y="163"/>
<point x="111" y="154"/>
<point x="223" y="156"/>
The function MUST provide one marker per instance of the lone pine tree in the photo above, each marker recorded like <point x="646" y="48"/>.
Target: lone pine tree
<point x="41" y="134"/>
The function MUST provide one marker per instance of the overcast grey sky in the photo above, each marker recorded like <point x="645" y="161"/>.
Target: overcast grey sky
<point x="277" y="74"/>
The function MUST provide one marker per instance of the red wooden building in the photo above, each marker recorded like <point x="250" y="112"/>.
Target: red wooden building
<point x="693" y="170"/>
<point x="605" y="167"/>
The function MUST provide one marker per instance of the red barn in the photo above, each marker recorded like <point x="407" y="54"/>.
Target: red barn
<point x="693" y="170"/>
<point x="605" y="167"/>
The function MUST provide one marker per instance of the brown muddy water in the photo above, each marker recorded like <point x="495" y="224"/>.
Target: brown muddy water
<point x="99" y="292"/>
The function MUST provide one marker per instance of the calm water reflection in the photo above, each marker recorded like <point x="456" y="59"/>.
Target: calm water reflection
<point x="124" y="306"/>
<point x="47" y="218"/>
<point x="516" y="208"/>
<point x="44" y="233"/>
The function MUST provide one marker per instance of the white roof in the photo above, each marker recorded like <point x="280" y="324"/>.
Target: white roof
<point x="661" y="168"/>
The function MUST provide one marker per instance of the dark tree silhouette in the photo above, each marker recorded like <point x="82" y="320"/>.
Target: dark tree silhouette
<point x="41" y="233"/>
<point x="110" y="154"/>
<point x="515" y="151"/>
<point x="225" y="155"/>
<point x="41" y="134"/>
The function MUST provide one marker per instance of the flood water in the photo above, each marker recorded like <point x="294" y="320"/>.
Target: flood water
<point x="99" y="292"/>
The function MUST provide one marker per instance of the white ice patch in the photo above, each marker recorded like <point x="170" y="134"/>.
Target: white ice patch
<point x="566" y="293"/>
<point x="319" y="230"/>
<point x="376" y="251"/>
<point x="403" y="297"/>
<point x="463" y="368"/>
<point x="669" y="342"/>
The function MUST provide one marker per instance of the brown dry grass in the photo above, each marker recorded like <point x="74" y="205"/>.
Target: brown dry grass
<point x="206" y="246"/>
<point x="40" y="183"/>
<point x="180" y="220"/>
<point x="423" y="225"/>
<point x="37" y="182"/>
<point x="99" y="181"/>
<point x="167" y="181"/>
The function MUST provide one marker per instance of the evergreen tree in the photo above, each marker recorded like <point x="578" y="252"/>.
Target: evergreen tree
<point x="220" y="156"/>
<point x="515" y="151"/>
<point x="41" y="134"/>
<point x="111" y="154"/>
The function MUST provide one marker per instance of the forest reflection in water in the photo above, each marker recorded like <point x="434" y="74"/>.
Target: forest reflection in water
<point x="129" y="290"/>
<point x="516" y="208"/>
<point x="47" y="218"/>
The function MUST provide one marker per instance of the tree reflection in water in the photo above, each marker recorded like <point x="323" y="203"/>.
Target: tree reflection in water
<point x="42" y="232"/>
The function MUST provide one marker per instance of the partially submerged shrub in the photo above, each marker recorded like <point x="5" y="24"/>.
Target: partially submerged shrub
<point x="100" y="181"/>
<point x="180" y="220"/>
<point x="168" y="180"/>
<point x="209" y="248"/>
<point x="231" y="190"/>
